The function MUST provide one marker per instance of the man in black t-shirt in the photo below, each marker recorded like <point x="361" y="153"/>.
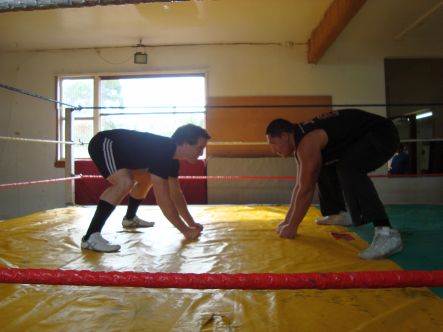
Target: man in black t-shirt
<point x="133" y="162"/>
<point x="354" y="142"/>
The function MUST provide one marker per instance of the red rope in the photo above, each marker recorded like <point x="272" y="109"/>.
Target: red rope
<point x="209" y="177"/>
<point x="218" y="177"/>
<point x="16" y="184"/>
<point x="270" y="177"/>
<point x="328" y="280"/>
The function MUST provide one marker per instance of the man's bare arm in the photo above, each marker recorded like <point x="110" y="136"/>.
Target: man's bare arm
<point x="309" y="156"/>
<point x="291" y="206"/>
<point x="161" y="191"/>
<point x="179" y="201"/>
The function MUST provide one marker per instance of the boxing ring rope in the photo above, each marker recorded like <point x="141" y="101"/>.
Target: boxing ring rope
<point x="205" y="178"/>
<point x="35" y="95"/>
<point x="25" y="183"/>
<point x="215" y="143"/>
<point x="249" y="281"/>
<point x="186" y="177"/>
<point x="37" y="140"/>
<point x="80" y="107"/>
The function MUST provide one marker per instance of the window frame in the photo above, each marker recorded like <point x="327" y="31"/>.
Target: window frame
<point x="96" y="116"/>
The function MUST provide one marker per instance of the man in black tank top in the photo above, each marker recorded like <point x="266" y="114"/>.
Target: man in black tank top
<point x="133" y="162"/>
<point x="344" y="145"/>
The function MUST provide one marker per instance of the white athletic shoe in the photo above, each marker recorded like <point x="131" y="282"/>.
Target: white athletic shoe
<point x="386" y="242"/>
<point x="136" y="222"/>
<point x="341" y="219"/>
<point x="97" y="243"/>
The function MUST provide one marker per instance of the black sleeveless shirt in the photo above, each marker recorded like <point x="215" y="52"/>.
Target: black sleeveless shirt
<point x="343" y="128"/>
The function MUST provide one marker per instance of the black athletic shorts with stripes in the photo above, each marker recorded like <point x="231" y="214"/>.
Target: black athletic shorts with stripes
<point x="120" y="148"/>
<point x="101" y="150"/>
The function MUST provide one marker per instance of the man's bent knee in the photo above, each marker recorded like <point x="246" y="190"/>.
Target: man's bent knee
<point x="122" y="179"/>
<point x="141" y="176"/>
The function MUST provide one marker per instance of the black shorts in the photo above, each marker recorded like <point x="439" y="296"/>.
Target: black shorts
<point x="104" y="155"/>
<point x="116" y="149"/>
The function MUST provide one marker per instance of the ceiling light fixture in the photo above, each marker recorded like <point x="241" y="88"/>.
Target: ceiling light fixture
<point x="423" y="115"/>
<point x="140" y="58"/>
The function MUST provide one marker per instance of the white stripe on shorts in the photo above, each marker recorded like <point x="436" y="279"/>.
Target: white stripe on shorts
<point x="109" y="156"/>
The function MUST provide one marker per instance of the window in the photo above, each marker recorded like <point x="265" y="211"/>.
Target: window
<point x="156" y="104"/>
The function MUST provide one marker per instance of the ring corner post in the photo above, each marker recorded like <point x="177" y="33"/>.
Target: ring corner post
<point x="69" y="158"/>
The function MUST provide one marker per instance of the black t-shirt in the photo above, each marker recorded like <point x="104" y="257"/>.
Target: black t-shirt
<point x="343" y="128"/>
<point x="138" y="150"/>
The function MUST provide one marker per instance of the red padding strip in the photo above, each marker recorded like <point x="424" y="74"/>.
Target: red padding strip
<point x="328" y="280"/>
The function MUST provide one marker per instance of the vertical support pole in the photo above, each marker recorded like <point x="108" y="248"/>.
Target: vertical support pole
<point x="436" y="150"/>
<point x="414" y="147"/>
<point x="69" y="158"/>
<point x="96" y="103"/>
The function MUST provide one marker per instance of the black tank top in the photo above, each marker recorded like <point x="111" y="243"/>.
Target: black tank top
<point x="343" y="128"/>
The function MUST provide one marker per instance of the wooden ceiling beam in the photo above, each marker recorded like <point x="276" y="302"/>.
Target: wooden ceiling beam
<point x="334" y="21"/>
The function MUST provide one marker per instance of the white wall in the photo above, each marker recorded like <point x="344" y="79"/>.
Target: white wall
<point x="232" y="71"/>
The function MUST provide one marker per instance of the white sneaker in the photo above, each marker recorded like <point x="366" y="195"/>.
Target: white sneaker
<point x="97" y="243"/>
<point x="386" y="242"/>
<point x="341" y="219"/>
<point x="136" y="222"/>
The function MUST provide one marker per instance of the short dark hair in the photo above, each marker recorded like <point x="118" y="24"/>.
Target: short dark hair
<point x="279" y="126"/>
<point x="190" y="134"/>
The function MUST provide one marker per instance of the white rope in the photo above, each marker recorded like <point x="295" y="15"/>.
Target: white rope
<point x="81" y="143"/>
<point x="22" y="139"/>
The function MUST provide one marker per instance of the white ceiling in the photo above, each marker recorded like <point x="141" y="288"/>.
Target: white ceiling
<point x="213" y="21"/>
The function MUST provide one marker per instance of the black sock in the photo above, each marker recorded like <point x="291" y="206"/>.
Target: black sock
<point x="382" y="223"/>
<point x="133" y="205"/>
<point x="102" y="213"/>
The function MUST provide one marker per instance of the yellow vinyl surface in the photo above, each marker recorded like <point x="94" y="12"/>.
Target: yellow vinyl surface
<point x="236" y="239"/>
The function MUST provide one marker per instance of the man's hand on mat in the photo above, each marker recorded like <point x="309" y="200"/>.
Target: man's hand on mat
<point x="192" y="233"/>
<point x="288" y="231"/>
<point x="196" y="225"/>
<point x="279" y="227"/>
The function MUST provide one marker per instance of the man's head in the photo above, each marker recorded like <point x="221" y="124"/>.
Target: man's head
<point x="400" y="148"/>
<point x="280" y="134"/>
<point x="191" y="141"/>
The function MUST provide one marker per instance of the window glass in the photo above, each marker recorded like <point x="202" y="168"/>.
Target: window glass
<point x="156" y="104"/>
<point x="83" y="132"/>
<point x="76" y="92"/>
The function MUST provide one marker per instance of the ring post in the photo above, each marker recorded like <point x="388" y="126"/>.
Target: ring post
<point x="69" y="158"/>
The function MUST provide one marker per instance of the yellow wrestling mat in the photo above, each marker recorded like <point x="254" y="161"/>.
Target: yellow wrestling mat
<point x="236" y="239"/>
